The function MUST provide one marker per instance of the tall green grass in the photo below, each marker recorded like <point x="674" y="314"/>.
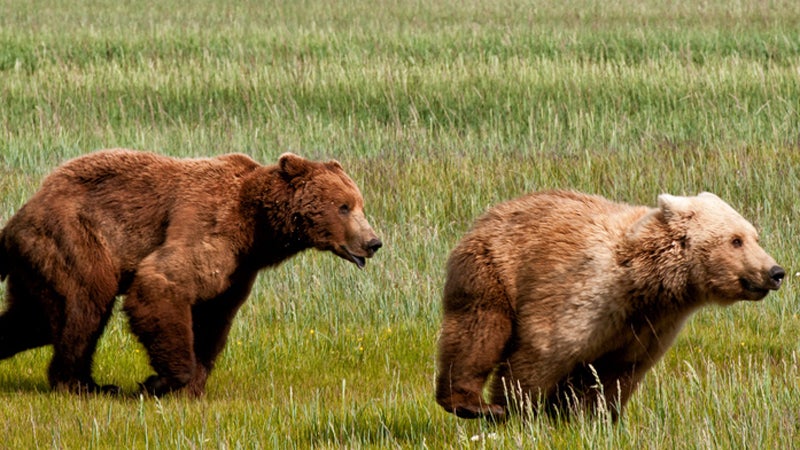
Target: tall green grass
<point x="438" y="110"/>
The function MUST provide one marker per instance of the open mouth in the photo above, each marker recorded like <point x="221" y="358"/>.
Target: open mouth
<point x="359" y="261"/>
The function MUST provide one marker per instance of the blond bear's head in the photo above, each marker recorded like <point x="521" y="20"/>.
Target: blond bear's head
<point x="727" y="262"/>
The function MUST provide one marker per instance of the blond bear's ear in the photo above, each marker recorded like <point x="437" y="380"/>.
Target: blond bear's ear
<point x="674" y="207"/>
<point x="709" y="195"/>
<point x="292" y="165"/>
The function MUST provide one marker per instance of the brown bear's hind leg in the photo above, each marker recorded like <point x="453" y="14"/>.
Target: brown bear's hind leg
<point x="23" y="325"/>
<point x="71" y="366"/>
<point x="76" y="332"/>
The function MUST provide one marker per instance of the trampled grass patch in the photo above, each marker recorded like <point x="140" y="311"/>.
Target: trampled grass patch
<point x="438" y="110"/>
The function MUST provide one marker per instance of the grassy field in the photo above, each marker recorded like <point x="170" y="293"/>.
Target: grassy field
<point x="437" y="109"/>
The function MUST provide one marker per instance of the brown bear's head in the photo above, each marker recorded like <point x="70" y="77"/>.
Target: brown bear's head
<point x="330" y="208"/>
<point x="722" y="249"/>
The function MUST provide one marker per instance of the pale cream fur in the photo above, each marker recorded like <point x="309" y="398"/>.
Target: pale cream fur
<point x="547" y="285"/>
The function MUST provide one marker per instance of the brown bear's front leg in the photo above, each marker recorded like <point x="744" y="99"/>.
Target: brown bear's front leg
<point x="211" y="322"/>
<point x="160" y="316"/>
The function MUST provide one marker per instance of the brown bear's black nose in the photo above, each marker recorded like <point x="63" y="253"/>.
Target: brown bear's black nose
<point x="374" y="245"/>
<point x="776" y="274"/>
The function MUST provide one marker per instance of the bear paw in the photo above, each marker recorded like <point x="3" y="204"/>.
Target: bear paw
<point x="158" y="386"/>
<point x="494" y="413"/>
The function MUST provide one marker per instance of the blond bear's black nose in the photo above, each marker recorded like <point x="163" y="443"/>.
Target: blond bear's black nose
<point x="776" y="274"/>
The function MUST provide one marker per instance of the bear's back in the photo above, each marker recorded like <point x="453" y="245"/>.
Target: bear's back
<point x="128" y="199"/>
<point x="546" y="235"/>
<point x="148" y="170"/>
<point x="551" y="219"/>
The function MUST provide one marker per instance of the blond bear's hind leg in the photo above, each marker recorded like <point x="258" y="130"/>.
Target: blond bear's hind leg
<point x="469" y="350"/>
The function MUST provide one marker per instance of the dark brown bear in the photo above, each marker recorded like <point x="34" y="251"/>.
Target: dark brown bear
<point x="570" y="298"/>
<point x="182" y="240"/>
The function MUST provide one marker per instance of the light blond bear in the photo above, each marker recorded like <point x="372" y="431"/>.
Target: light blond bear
<point x="564" y="299"/>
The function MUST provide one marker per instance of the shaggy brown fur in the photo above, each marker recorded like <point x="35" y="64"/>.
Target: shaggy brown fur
<point x="181" y="239"/>
<point x="553" y="291"/>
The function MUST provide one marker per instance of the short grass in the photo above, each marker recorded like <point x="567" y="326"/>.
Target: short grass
<point x="437" y="109"/>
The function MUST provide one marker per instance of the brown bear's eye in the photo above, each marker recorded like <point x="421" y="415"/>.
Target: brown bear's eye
<point x="736" y="242"/>
<point x="344" y="209"/>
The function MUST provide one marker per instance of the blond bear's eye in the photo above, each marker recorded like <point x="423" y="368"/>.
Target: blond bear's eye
<point x="736" y="242"/>
<point x="344" y="209"/>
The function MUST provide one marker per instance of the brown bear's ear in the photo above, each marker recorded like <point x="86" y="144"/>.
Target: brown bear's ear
<point x="292" y="165"/>
<point x="333" y="164"/>
<point x="674" y="207"/>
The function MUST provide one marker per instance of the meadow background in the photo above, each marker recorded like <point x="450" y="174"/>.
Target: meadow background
<point x="438" y="109"/>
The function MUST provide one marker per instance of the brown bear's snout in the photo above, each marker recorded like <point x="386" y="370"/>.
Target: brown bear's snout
<point x="373" y="245"/>
<point x="776" y="274"/>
